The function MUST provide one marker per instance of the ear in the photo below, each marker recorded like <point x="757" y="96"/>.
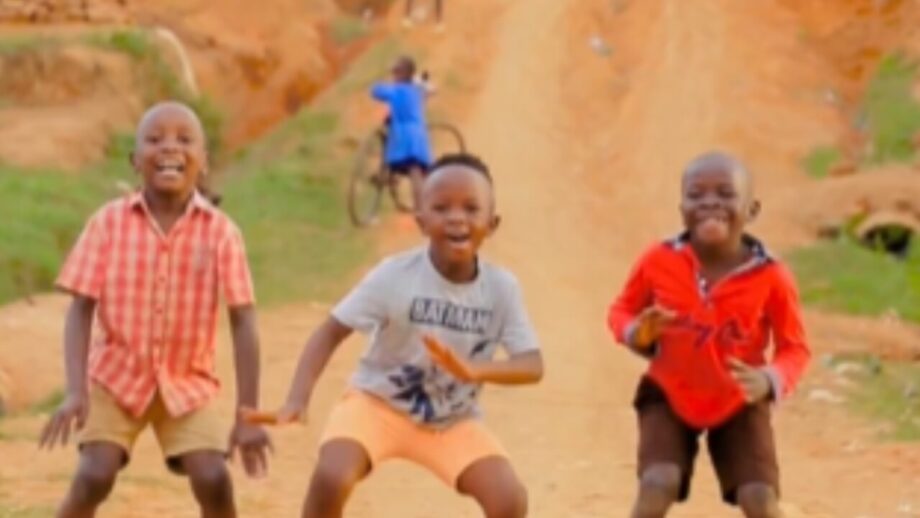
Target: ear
<point x="753" y="210"/>
<point x="494" y="223"/>
<point x="420" y="222"/>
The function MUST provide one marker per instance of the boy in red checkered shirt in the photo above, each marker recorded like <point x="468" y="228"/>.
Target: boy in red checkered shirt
<point x="703" y="309"/>
<point x="151" y="268"/>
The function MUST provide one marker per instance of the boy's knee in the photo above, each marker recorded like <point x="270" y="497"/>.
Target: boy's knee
<point x="661" y="479"/>
<point x="94" y="481"/>
<point x="335" y="480"/>
<point x="758" y="500"/>
<point x="512" y="504"/>
<point x="212" y="484"/>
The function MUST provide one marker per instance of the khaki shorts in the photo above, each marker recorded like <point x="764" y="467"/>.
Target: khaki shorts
<point x="200" y="430"/>
<point x="385" y="433"/>
<point x="742" y="448"/>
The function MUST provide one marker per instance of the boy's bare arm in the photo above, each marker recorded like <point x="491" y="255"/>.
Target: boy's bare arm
<point x="520" y="369"/>
<point x="74" y="408"/>
<point x="316" y="354"/>
<point x="251" y="441"/>
<point x="246" y="354"/>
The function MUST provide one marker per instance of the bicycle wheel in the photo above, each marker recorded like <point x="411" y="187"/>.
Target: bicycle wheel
<point x="367" y="178"/>
<point x="445" y="138"/>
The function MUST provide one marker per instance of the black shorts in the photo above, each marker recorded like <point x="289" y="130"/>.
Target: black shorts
<point x="406" y="166"/>
<point x="742" y="449"/>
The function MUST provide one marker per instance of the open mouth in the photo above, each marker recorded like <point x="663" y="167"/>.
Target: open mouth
<point x="458" y="239"/>
<point x="170" y="168"/>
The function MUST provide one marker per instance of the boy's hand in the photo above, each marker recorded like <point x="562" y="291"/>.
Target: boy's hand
<point x="649" y="325"/>
<point x="754" y="382"/>
<point x="253" y="445"/>
<point x="67" y="419"/>
<point x="445" y="357"/>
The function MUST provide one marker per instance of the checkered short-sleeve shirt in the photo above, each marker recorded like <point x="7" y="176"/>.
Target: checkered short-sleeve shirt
<point x="157" y="299"/>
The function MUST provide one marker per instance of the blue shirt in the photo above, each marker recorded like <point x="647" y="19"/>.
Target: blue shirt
<point x="408" y="135"/>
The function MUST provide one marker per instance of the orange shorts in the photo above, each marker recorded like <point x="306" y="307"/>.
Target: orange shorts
<point x="385" y="433"/>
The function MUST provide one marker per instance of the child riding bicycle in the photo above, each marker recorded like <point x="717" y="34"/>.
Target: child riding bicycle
<point x="408" y="150"/>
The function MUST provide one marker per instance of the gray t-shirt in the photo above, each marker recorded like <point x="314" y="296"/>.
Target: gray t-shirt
<point x="403" y="298"/>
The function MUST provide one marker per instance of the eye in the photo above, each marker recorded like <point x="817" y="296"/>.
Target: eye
<point x="439" y="207"/>
<point x="727" y="192"/>
<point x="186" y="139"/>
<point x="152" y="139"/>
<point x="471" y="208"/>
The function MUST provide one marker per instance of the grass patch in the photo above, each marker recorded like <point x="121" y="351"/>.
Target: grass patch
<point x="844" y="276"/>
<point x="891" y="110"/>
<point x="49" y="404"/>
<point x="133" y="43"/>
<point x="44" y="211"/>
<point x="347" y="29"/>
<point x="818" y="163"/>
<point x="886" y="391"/>
<point x="292" y="213"/>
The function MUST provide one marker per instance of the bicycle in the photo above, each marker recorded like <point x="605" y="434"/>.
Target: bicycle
<point x="371" y="175"/>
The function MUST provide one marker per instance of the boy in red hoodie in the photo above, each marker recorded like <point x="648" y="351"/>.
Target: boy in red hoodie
<point x="703" y="308"/>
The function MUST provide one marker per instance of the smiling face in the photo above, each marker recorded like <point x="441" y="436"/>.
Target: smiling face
<point x="457" y="213"/>
<point x="716" y="201"/>
<point x="170" y="150"/>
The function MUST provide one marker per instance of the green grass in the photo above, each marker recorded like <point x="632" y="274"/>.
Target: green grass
<point x="844" y="276"/>
<point x="291" y="210"/>
<point x="49" y="404"/>
<point x="44" y="211"/>
<point x="891" y="110"/>
<point x="133" y="43"/>
<point x="347" y="29"/>
<point x="818" y="163"/>
<point x="886" y="391"/>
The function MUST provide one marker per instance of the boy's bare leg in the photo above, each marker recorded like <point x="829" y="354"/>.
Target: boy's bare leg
<point x="211" y="484"/>
<point x="99" y="465"/>
<point x="342" y="464"/>
<point x="495" y="486"/>
<point x="417" y="177"/>
<point x="758" y="500"/>
<point x="659" y="488"/>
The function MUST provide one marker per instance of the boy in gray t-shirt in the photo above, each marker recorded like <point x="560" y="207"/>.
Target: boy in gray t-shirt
<point x="436" y="317"/>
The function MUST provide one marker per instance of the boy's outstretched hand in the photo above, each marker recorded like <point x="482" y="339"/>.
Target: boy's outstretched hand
<point x="67" y="420"/>
<point x="649" y="325"/>
<point x="253" y="445"/>
<point x="754" y="382"/>
<point x="445" y="357"/>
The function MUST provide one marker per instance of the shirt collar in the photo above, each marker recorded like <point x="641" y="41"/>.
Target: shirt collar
<point x="760" y="254"/>
<point x="197" y="203"/>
